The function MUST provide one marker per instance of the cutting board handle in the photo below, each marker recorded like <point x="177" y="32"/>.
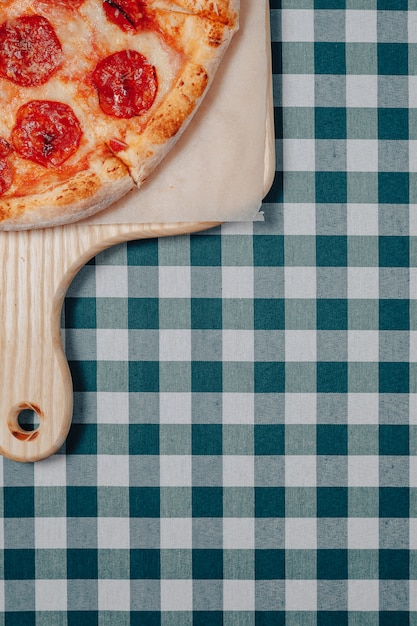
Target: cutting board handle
<point x="36" y="268"/>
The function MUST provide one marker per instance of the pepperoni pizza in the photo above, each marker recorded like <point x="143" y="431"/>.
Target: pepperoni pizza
<point x="94" y="93"/>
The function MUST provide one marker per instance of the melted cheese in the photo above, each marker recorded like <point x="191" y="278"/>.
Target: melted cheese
<point x="86" y="36"/>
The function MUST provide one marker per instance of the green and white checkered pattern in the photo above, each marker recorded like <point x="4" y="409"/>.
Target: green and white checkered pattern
<point x="243" y="447"/>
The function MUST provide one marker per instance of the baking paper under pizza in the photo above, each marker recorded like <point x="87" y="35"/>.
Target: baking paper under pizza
<point x="93" y="95"/>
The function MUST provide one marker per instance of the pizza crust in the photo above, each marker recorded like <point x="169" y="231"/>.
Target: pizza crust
<point x="203" y="29"/>
<point x="83" y="195"/>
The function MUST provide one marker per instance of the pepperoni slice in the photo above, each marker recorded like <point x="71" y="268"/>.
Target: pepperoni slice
<point x="127" y="14"/>
<point x="30" y="51"/>
<point x="6" y="176"/>
<point x="46" y="132"/>
<point x="126" y="83"/>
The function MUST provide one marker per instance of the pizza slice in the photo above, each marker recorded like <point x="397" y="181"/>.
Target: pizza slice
<point x="94" y="94"/>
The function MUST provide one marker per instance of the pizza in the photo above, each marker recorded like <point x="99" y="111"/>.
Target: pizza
<point x="94" y="93"/>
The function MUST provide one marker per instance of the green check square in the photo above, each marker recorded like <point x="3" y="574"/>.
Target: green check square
<point x="362" y="187"/>
<point x="205" y="250"/>
<point x="237" y="251"/>
<point x="363" y="564"/>
<point x="362" y="251"/>
<point x="237" y="314"/>
<point x="175" y="376"/>
<point x="238" y="439"/>
<point x="331" y="187"/>
<point x="174" y="251"/>
<point x="142" y="252"/>
<point x="174" y="313"/>
<point x="176" y="564"/>
<point x="300" y="251"/>
<point x="301" y="502"/>
<point x="392" y="59"/>
<point x="363" y="377"/>
<point x="113" y="501"/>
<point x="298" y="123"/>
<point x="362" y="123"/>
<point x="49" y="502"/>
<point x="394" y="251"/>
<point x="361" y="58"/>
<point x="176" y="501"/>
<point x="113" y="564"/>
<point x="301" y="564"/>
<point x="112" y="376"/>
<point x="238" y="564"/>
<point x="297" y="57"/>
<point x="112" y="313"/>
<point x="238" y="502"/>
<point x="329" y="58"/>
<point x="206" y="376"/>
<point x="363" y="502"/>
<point x="363" y="315"/>
<point x="393" y="123"/>
<point x="330" y="123"/>
<point x="300" y="439"/>
<point x="299" y="186"/>
<point x="300" y="314"/>
<point x="175" y="439"/>
<point x="238" y="377"/>
<point x="50" y="564"/>
<point x="363" y="439"/>
<point x="300" y="377"/>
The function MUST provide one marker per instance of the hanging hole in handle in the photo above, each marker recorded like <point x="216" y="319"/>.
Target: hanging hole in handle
<point x="28" y="420"/>
<point x="25" y="422"/>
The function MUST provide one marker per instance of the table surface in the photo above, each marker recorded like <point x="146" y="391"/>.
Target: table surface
<point x="243" y="447"/>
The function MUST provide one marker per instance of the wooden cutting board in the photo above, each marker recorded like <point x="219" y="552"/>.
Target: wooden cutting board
<point x="36" y="269"/>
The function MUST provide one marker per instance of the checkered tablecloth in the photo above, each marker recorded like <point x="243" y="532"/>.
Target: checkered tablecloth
<point x="243" y="447"/>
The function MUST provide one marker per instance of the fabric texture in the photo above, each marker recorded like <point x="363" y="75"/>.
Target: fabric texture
<point x="243" y="446"/>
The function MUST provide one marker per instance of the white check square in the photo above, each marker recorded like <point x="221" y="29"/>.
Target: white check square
<point x="174" y="345"/>
<point x="362" y="155"/>
<point x="238" y="408"/>
<point x="363" y="282"/>
<point x="112" y="470"/>
<point x="113" y="407"/>
<point x="300" y="282"/>
<point x="363" y="408"/>
<point x="238" y="345"/>
<point x="113" y="533"/>
<point x="363" y="533"/>
<point x="363" y="471"/>
<point x="111" y="281"/>
<point x="238" y="533"/>
<point x="301" y="595"/>
<point x="239" y="595"/>
<point x="299" y="219"/>
<point x="361" y="26"/>
<point x="112" y="344"/>
<point x="300" y="408"/>
<point x="300" y="471"/>
<point x="50" y="532"/>
<point x="363" y="595"/>
<point x="175" y="470"/>
<point x="176" y="595"/>
<point x="174" y="408"/>
<point x="363" y="345"/>
<point x="51" y="595"/>
<point x="176" y="533"/>
<point x="174" y="281"/>
<point x="300" y="533"/>
<point x="238" y="471"/>
<point x="297" y="25"/>
<point x="300" y="345"/>
<point x="114" y="595"/>
<point x="237" y="282"/>
<point x="297" y="90"/>
<point x="299" y="155"/>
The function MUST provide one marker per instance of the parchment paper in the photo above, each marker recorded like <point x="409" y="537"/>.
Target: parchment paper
<point x="216" y="171"/>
